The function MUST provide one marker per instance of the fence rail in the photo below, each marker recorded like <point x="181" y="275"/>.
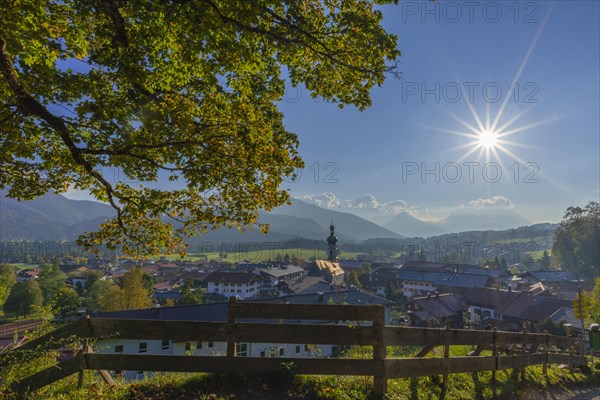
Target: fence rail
<point x="344" y="325"/>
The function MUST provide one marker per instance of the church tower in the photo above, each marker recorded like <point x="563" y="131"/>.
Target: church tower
<point x="332" y="245"/>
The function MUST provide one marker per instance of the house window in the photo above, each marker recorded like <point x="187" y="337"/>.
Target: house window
<point x="297" y="349"/>
<point x="143" y="347"/>
<point x="165" y="345"/>
<point x="211" y="344"/>
<point x="281" y="352"/>
<point x="188" y="346"/>
<point x="198" y="345"/>
<point x="262" y="353"/>
<point x="119" y="348"/>
<point x="241" y="349"/>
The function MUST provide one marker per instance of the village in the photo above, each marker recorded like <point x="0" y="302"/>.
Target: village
<point x="415" y="293"/>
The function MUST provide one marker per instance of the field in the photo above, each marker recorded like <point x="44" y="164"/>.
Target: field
<point x="252" y="254"/>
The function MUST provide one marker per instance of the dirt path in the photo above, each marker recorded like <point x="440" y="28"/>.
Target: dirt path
<point x="587" y="394"/>
<point x="576" y="394"/>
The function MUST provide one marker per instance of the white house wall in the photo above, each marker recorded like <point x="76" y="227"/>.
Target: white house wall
<point x="204" y="348"/>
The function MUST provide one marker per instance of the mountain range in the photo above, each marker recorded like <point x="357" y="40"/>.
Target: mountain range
<point x="55" y="217"/>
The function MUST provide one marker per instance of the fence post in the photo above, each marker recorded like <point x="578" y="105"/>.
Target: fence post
<point x="545" y="365"/>
<point x="446" y="354"/>
<point x="231" y="350"/>
<point x="379" y="353"/>
<point x="524" y="330"/>
<point x="495" y="354"/>
<point x="81" y="374"/>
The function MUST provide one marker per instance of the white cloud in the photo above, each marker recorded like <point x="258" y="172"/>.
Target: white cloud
<point x="492" y="202"/>
<point x="367" y="202"/>
<point x="325" y="200"/>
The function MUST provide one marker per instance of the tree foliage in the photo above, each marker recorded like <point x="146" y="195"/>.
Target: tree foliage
<point x="576" y="247"/>
<point x="191" y="294"/>
<point x="108" y="96"/>
<point x="132" y="295"/>
<point x="24" y="298"/>
<point x="7" y="280"/>
<point x="593" y="302"/>
<point x="51" y="280"/>
<point x="545" y="261"/>
<point x="95" y="293"/>
<point x="65" y="302"/>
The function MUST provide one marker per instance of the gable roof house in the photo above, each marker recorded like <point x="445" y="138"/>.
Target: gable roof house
<point x="418" y="283"/>
<point x="484" y="304"/>
<point x="529" y="308"/>
<point x="307" y="284"/>
<point x="563" y="283"/>
<point x="378" y="279"/>
<point x="435" y="310"/>
<point x="274" y="276"/>
<point x="241" y="285"/>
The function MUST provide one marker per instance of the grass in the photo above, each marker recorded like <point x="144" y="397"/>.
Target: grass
<point x="537" y="255"/>
<point x="22" y="266"/>
<point x="9" y="319"/>
<point x="179" y="386"/>
<point x="256" y="255"/>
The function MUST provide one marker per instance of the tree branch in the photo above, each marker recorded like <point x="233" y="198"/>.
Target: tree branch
<point x="28" y="105"/>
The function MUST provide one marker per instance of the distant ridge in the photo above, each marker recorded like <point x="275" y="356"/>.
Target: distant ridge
<point x="55" y="217"/>
<point x="50" y="217"/>
<point x="409" y="226"/>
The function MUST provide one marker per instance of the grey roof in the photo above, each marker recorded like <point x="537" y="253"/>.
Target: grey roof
<point x="167" y="295"/>
<point x="217" y="312"/>
<point x="552" y="276"/>
<point x="309" y="284"/>
<point x="566" y="315"/>
<point x="446" y="267"/>
<point x="442" y="306"/>
<point x="278" y="272"/>
<point x="231" y="277"/>
<point x="351" y="297"/>
<point x="488" y="297"/>
<point x="445" y="278"/>
<point x="351" y="264"/>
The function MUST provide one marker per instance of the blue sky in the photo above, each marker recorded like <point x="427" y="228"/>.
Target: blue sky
<point x="536" y="64"/>
<point x="548" y="52"/>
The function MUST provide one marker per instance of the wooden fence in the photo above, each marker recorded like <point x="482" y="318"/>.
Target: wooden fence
<point x="325" y="324"/>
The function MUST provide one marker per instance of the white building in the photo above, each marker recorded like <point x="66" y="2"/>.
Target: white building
<point x="241" y="285"/>
<point x="275" y="275"/>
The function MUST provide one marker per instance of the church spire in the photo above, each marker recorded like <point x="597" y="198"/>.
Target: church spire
<point x="332" y="244"/>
